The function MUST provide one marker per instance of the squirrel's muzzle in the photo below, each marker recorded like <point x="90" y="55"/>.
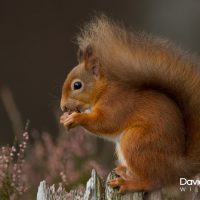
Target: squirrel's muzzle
<point x="70" y="105"/>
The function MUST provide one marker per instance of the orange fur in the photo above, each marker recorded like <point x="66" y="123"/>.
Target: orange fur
<point x="144" y="94"/>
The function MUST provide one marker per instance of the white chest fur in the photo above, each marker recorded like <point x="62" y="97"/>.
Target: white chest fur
<point x="116" y="140"/>
<point x="119" y="152"/>
<point x="120" y="155"/>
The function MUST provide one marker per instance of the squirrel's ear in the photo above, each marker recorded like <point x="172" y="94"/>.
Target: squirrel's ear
<point x="95" y="70"/>
<point x="88" y="52"/>
<point x="93" y="67"/>
<point x="91" y="63"/>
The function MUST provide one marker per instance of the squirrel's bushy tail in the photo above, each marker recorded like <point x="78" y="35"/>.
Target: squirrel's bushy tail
<point x="148" y="62"/>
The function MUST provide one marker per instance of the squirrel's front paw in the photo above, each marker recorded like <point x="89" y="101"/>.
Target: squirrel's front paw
<point x="70" y="120"/>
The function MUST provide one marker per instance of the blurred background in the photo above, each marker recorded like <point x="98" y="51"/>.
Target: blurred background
<point x="37" y="49"/>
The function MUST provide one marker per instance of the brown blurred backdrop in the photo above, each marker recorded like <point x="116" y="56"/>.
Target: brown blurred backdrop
<point x="37" y="50"/>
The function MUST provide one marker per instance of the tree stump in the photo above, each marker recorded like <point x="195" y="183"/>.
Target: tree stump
<point x="98" y="189"/>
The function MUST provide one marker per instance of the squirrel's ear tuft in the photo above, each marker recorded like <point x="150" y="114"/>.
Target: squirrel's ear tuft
<point x="80" y="55"/>
<point x="88" y="52"/>
<point x="85" y="55"/>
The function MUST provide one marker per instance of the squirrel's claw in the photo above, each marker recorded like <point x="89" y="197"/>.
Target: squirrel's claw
<point x="64" y="117"/>
<point x="118" y="182"/>
<point x="69" y="121"/>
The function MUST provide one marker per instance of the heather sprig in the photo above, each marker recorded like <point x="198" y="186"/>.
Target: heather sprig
<point x="12" y="180"/>
<point x="67" y="160"/>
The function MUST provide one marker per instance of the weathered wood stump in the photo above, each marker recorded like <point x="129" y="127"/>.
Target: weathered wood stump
<point x="98" y="189"/>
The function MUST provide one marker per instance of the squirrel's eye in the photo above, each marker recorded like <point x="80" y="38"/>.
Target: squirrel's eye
<point x="77" y="85"/>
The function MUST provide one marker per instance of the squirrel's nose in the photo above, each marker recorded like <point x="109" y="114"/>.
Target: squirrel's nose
<point x="63" y="106"/>
<point x="64" y="109"/>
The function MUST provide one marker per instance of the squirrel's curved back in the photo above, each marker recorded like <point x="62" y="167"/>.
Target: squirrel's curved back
<point x="145" y="61"/>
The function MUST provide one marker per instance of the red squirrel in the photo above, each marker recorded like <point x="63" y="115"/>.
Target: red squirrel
<point x="143" y="93"/>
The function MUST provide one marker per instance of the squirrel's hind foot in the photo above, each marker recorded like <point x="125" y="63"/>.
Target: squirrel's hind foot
<point x="125" y="185"/>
